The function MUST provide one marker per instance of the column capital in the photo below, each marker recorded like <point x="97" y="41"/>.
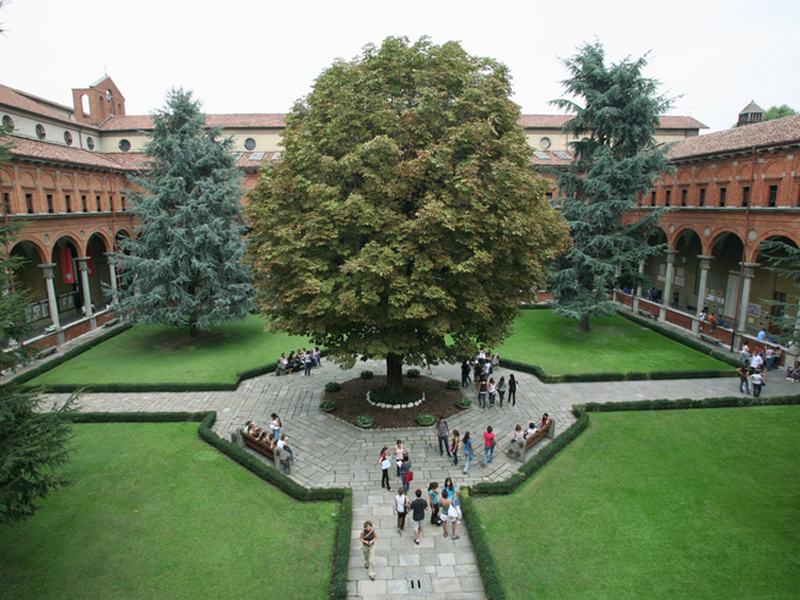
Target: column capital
<point x="671" y="254"/>
<point x="48" y="269"/>
<point x="83" y="262"/>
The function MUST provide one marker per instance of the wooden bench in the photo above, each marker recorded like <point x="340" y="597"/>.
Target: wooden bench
<point x="519" y="450"/>
<point x="646" y="314"/>
<point x="279" y="458"/>
<point x="111" y="323"/>
<point x="710" y="339"/>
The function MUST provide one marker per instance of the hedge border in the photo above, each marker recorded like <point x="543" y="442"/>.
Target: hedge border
<point x="344" y="523"/>
<point x="473" y="522"/>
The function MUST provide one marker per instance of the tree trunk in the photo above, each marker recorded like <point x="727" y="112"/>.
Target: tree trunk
<point x="193" y="327"/>
<point x="394" y="375"/>
<point x="584" y="323"/>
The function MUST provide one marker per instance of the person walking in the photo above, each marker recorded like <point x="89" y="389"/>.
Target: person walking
<point x="368" y="538"/>
<point x="501" y="390"/>
<point x="275" y="424"/>
<point x="443" y="433"/>
<point x="464" y="374"/>
<point x="418" y="508"/>
<point x="385" y="464"/>
<point x="512" y="390"/>
<point x="744" y="379"/>
<point x="492" y="391"/>
<point x="469" y="454"/>
<point x="489" y="442"/>
<point x="454" y="447"/>
<point x="401" y="507"/>
<point x="400" y="453"/>
<point x="757" y="379"/>
<point x="483" y="388"/>
<point x="433" y="501"/>
<point x="308" y="362"/>
<point x="449" y="514"/>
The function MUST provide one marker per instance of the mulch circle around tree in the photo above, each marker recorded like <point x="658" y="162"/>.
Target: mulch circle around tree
<point x="351" y="401"/>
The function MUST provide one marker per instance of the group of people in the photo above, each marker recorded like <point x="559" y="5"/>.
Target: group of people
<point x="481" y="368"/>
<point x="756" y="363"/>
<point x="273" y="439"/>
<point x="793" y="372"/>
<point x="302" y="360"/>
<point x="713" y="321"/>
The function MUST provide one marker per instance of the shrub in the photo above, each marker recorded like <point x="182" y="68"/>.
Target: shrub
<point x="327" y="405"/>
<point x="363" y="420"/>
<point x="453" y="384"/>
<point x="332" y="386"/>
<point x="412" y="373"/>
<point x="366" y="374"/>
<point x="463" y="403"/>
<point x="409" y="396"/>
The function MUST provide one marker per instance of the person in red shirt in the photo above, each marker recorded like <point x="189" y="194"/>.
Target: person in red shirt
<point x="489" y="443"/>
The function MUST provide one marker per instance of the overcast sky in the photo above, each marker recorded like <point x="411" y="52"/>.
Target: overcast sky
<point x="260" y="56"/>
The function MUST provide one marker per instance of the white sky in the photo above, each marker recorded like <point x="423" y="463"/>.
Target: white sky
<point x="259" y="56"/>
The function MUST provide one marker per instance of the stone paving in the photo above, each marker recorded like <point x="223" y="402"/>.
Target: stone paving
<point x="331" y="453"/>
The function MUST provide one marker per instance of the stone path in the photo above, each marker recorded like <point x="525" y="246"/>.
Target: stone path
<point x="331" y="453"/>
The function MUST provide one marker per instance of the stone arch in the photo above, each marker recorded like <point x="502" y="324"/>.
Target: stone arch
<point x="66" y="181"/>
<point x="48" y="181"/>
<point x="703" y="175"/>
<point x="29" y="277"/>
<point x="26" y="178"/>
<point x="66" y="276"/>
<point x="724" y="175"/>
<point x="97" y="247"/>
<point x="744" y="172"/>
<point x="83" y="183"/>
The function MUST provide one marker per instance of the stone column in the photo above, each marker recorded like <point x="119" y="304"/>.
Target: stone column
<point x="83" y="266"/>
<point x="662" y="312"/>
<point x="744" y="300"/>
<point x="637" y="293"/>
<point x="52" y="301"/>
<point x="705" y="265"/>
<point x="112" y="270"/>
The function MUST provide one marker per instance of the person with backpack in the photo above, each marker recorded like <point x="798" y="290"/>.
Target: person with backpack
<point x="433" y="501"/>
<point x="406" y="474"/>
<point x="418" y="508"/>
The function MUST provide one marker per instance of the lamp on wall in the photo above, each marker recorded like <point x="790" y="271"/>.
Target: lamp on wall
<point x="684" y="259"/>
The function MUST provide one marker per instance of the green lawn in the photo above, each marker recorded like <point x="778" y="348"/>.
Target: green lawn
<point x="615" y="345"/>
<point x="662" y="504"/>
<point x="162" y="355"/>
<point x="155" y="513"/>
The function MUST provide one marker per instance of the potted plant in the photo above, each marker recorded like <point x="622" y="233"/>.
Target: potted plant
<point x="425" y="419"/>
<point x="453" y="384"/>
<point x="363" y="421"/>
<point x="412" y="373"/>
<point x="463" y="403"/>
<point x="332" y="386"/>
<point x="327" y="406"/>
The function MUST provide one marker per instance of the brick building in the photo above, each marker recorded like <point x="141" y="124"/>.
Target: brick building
<point x="68" y="181"/>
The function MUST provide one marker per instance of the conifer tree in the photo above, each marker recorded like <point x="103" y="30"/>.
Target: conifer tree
<point x="615" y="159"/>
<point x="33" y="441"/>
<point x="403" y="211"/>
<point x="182" y="267"/>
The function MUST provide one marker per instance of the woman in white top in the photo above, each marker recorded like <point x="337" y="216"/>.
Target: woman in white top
<point x="399" y="453"/>
<point x="401" y="505"/>
<point x="492" y="391"/>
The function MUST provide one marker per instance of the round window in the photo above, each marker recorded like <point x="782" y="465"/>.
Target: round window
<point x="8" y="122"/>
<point x="40" y="132"/>
<point x="250" y="144"/>
<point x="90" y="143"/>
<point x="124" y="145"/>
<point x="545" y="143"/>
<point x="68" y="138"/>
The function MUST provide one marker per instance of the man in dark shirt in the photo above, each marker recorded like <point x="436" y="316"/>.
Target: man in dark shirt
<point x="418" y="508"/>
<point x="443" y="433"/>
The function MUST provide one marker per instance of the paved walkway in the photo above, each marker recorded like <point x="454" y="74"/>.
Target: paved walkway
<point x="331" y="453"/>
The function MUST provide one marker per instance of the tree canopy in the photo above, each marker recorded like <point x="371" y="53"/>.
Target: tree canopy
<point x="615" y="159"/>
<point x="403" y="213"/>
<point x="778" y="112"/>
<point x="183" y="268"/>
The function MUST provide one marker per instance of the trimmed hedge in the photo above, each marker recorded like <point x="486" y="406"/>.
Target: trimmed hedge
<point x="341" y="556"/>
<point x="686" y="403"/>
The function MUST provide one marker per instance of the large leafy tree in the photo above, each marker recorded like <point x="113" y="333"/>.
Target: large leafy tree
<point x="33" y="441"/>
<point x="778" y="112"/>
<point x="615" y="158"/>
<point x="182" y="268"/>
<point x="403" y="213"/>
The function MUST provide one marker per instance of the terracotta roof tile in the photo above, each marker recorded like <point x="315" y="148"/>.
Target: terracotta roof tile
<point x="235" y="121"/>
<point x="767" y="133"/>
<point x="26" y="102"/>
<point x="558" y="121"/>
<point x="25" y="149"/>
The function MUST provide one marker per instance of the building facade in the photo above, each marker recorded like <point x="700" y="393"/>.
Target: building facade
<point x="68" y="181"/>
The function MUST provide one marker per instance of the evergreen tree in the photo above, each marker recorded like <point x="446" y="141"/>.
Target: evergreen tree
<point x="182" y="267"/>
<point x="615" y="159"/>
<point x="783" y="259"/>
<point x="32" y="441"/>
<point x="403" y="210"/>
